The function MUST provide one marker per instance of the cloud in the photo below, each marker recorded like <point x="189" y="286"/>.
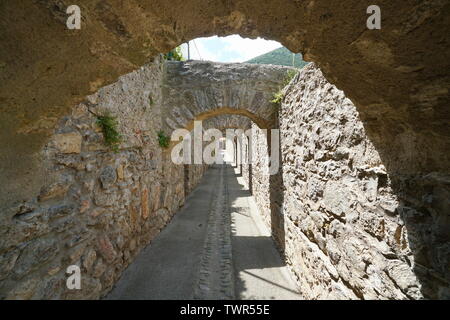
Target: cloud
<point x="249" y="48"/>
<point x="202" y="50"/>
<point x="229" y="49"/>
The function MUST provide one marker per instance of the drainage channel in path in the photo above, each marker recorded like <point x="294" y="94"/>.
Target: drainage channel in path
<point x="216" y="247"/>
<point x="216" y="269"/>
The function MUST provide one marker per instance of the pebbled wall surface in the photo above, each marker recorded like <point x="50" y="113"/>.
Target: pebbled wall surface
<point x="352" y="224"/>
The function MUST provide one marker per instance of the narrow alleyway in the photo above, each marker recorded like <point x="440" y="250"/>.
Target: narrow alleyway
<point x="216" y="247"/>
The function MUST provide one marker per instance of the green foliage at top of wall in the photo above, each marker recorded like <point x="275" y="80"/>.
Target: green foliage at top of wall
<point x="174" y="54"/>
<point x="278" y="96"/>
<point x="112" y="137"/>
<point x="289" y="76"/>
<point x="163" y="140"/>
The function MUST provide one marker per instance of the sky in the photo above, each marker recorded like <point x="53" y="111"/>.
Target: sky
<point x="229" y="49"/>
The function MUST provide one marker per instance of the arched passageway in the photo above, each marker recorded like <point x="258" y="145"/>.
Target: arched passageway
<point x="372" y="163"/>
<point x="216" y="247"/>
<point x="381" y="69"/>
<point x="383" y="72"/>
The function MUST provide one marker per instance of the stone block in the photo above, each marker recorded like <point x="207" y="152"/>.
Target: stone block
<point x="144" y="203"/>
<point x="35" y="254"/>
<point x="24" y="290"/>
<point x="108" y="177"/>
<point x="7" y="262"/>
<point x="105" y="248"/>
<point x="68" y="142"/>
<point x="104" y="199"/>
<point x="60" y="211"/>
<point x="54" y="190"/>
<point x="120" y="172"/>
<point x="402" y="275"/>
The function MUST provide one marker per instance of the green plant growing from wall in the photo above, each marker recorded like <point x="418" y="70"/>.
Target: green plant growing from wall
<point x="289" y="76"/>
<point x="112" y="137"/>
<point x="163" y="140"/>
<point x="174" y="54"/>
<point x="277" y="97"/>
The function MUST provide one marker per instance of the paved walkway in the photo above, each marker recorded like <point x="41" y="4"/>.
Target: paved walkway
<point x="216" y="247"/>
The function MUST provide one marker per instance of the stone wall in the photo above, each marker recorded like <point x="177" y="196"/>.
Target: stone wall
<point x="357" y="222"/>
<point x="357" y="211"/>
<point x="200" y="90"/>
<point x="96" y="208"/>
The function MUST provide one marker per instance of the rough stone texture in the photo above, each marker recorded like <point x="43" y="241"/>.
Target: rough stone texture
<point x="227" y="121"/>
<point x="200" y="90"/>
<point x="360" y="207"/>
<point x="68" y="142"/>
<point x="95" y="208"/>
<point x="352" y="221"/>
<point x="398" y="77"/>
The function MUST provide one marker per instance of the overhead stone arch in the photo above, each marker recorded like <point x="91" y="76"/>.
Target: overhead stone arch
<point x="199" y="90"/>
<point x="397" y="76"/>
<point x="224" y="122"/>
<point x="382" y="69"/>
<point x="237" y="123"/>
<point x="46" y="68"/>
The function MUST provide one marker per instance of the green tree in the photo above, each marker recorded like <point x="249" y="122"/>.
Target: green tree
<point x="175" y="55"/>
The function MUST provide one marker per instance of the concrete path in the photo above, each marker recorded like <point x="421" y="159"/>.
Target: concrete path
<point x="216" y="247"/>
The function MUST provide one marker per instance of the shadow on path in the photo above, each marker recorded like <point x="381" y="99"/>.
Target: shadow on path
<point x="169" y="268"/>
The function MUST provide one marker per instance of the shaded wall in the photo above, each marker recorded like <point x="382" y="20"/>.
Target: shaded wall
<point x="363" y="217"/>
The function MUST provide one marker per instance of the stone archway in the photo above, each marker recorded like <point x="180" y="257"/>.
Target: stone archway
<point x="228" y="121"/>
<point x="383" y="72"/>
<point x="397" y="77"/>
<point x="221" y="122"/>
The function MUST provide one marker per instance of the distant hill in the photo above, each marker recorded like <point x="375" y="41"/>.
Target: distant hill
<point x="281" y="56"/>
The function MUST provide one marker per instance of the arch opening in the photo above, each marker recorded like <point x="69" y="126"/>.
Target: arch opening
<point x="401" y="98"/>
